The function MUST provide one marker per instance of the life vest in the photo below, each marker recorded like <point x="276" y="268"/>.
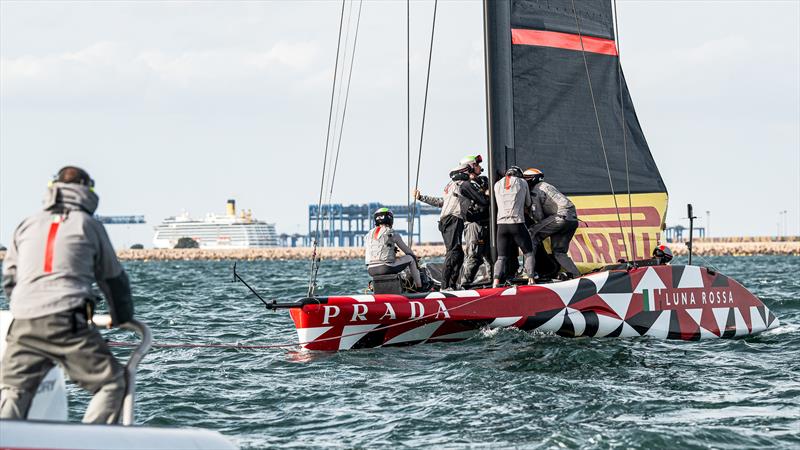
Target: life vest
<point x="553" y="202"/>
<point x="380" y="246"/>
<point x="454" y="203"/>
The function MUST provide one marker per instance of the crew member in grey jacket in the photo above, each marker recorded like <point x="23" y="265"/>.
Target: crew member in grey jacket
<point x="48" y="272"/>
<point x="554" y="216"/>
<point x="458" y="196"/>
<point x="513" y="198"/>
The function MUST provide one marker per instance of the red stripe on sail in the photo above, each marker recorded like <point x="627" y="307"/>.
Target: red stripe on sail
<point x="563" y="40"/>
<point x="48" y="252"/>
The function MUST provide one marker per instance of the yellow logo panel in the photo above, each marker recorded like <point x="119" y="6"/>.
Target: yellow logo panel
<point x="604" y="237"/>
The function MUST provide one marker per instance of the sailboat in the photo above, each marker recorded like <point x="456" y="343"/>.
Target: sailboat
<point x="557" y="100"/>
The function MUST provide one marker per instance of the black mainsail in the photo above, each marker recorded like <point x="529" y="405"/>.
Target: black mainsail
<point x="557" y="100"/>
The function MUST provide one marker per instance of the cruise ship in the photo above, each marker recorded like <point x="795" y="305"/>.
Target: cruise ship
<point x="227" y="230"/>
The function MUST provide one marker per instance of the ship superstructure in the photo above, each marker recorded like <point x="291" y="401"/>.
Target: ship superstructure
<point x="215" y="231"/>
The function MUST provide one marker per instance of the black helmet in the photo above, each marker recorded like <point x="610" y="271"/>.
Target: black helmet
<point x="663" y="253"/>
<point x="74" y="175"/>
<point x="383" y="217"/>
<point x="514" y="171"/>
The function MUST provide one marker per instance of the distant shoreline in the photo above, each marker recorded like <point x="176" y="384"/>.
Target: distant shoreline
<point x="701" y="247"/>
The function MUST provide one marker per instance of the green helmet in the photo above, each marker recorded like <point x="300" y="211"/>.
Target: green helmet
<point x="471" y="159"/>
<point x="383" y="216"/>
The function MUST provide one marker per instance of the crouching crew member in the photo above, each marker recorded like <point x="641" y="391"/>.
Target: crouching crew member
<point x="381" y="245"/>
<point x="476" y="226"/>
<point x="48" y="272"/>
<point x="458" y="196"/>
<point x="513" y="198"/>
<point x="554" y="217"/>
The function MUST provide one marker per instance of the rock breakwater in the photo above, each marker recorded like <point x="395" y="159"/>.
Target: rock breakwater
<point x="741" y="248"/>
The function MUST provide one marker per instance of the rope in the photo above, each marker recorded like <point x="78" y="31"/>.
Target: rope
<point x="624" y="130"/>
<point x="312" y="279"/>
<point x="409" y="225"/>
<point x="413" y="209"/>
<point x="346" y="98"/>
<point x="600" y="130"/>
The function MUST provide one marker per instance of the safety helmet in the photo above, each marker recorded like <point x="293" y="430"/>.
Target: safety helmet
<point x="663" y="253"/>
<point x="471" y="159"/>
<point x="383" y="216"/>
<point x="532" y="175"/>
<point x="514" y="171"/>
<point x="74" y="175"/>
<point x="460" y="170"/>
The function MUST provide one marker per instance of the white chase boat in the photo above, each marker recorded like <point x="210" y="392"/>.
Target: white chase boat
<point x="47" y="426"/>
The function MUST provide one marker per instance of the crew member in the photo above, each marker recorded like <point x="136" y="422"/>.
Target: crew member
<point x="554" y="217"/>
<point x="48" y="272"/>
<point x="662" y="254"/>
<point x="476" y="226"/>
<point x="458" y="196"/>
<point x="381" y="245"/>
<point x="513" y="198"/>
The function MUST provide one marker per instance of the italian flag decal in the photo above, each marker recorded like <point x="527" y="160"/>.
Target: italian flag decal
<point x="648" y="300"/>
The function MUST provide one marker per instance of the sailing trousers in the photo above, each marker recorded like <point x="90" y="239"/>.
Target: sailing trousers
<point x="399" y="265"/>
<point x="34" y="346"/>
<point x="560" y="231"/>
<point x="510" y="237"/>
<point x="452" y="228"/>
<point x="477" y="251"/>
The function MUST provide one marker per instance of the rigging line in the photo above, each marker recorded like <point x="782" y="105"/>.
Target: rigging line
<point x="409" y="223"/>
<point x="313" y="273"/>
<point x="624" y="131"/>
<point x="346" y="98"/>
<point x="413" y="209"/>
<point x="600" y="130"/>
<point x="337" y="126"/>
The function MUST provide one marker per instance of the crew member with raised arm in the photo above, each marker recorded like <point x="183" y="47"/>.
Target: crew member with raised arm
<point x="53" y="260"/>
<point x="458" y="196"/>
<point x="476" y="226"/>
<point x="381" y="245"/>
<point x="513" y="198"/>
<point x="554" y="216"/>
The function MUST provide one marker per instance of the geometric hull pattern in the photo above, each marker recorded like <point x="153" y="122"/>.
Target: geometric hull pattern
<point x="664" y="302"/>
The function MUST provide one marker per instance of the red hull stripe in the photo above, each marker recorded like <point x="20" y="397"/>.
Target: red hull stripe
<point x="563" y="40"/>
<point x="48" y="252"/>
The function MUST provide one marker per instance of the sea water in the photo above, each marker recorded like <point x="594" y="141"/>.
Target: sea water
<point x="500" y="389"/>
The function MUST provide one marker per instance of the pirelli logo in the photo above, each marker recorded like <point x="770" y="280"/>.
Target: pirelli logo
<point x="600" y="241"/>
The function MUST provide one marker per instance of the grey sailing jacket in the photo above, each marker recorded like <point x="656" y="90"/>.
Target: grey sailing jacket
<point x="549" y="201"/>
<point x="381" y="246"/>
<point x="458" y="196"/>
<point x="57" y="254"/>
<point x="513" y="198"/>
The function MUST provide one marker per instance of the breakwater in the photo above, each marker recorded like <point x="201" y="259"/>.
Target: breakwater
<point x="701" y="247"/>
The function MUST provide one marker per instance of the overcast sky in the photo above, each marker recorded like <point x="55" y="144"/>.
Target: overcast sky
<point x="176" y="106"/>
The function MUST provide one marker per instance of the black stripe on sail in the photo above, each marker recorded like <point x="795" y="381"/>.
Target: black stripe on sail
<point x="771" y="319"/>
<point x="762" y="311"/>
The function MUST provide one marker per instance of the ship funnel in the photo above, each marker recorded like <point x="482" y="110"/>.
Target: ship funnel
<point x="231" y="207"/>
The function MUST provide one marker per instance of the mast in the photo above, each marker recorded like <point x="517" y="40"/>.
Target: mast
<point x="499" y="106"/>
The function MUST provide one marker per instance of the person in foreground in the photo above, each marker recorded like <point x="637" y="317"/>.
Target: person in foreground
<point x="459" y="194"/>
<point x="48" y="271"/>
<point x="381" y="245"/>
<point x="554" y="216"/>
<point x="513" y="198"/>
